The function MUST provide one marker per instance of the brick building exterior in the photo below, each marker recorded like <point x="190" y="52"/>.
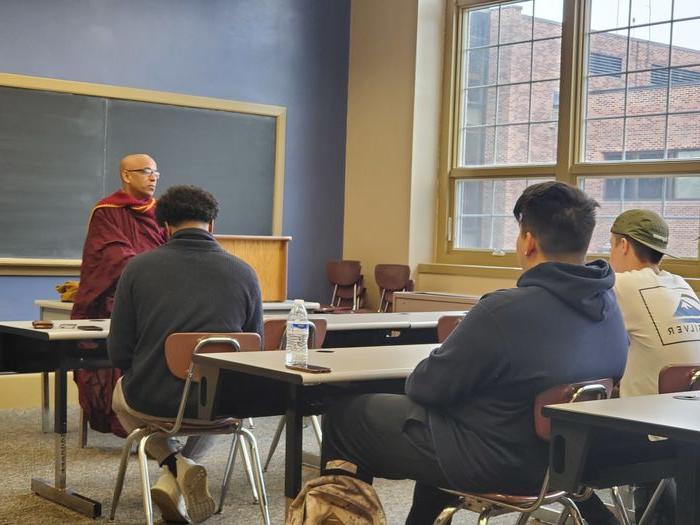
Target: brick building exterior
<point x="629" y="94"/>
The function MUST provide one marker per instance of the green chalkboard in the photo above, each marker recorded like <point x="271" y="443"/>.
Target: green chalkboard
<point x="59" y="154"/>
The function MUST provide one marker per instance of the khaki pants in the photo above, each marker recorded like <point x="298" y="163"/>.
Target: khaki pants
<point x="160" y="446"/>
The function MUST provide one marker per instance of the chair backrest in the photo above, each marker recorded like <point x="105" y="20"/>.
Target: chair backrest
<point x="392" y="277"/>
<point x="180" y="347"/>
<point x="569" y="393"/>
<point x="446" y="324"/>
<point x="679" y="378"/>
<point x="347" y="292"/>
<point x="343" y="273"/>
<point x="275" y="331"/>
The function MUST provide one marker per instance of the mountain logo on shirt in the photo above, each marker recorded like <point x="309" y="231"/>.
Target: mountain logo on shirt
<point x="688" y="309"/>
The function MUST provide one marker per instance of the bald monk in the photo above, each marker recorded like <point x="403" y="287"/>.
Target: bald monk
<point x="120" y="226"/>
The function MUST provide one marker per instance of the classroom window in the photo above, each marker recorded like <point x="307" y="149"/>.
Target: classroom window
<point x="510" y="57"/>
<point x="618" y="114"/>
<point x="484" y="218"/>
<point x="677" y="199"/>
<point x="639" y="109"/>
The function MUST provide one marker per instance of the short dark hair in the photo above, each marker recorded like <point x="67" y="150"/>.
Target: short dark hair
<point x="186" y="203"/>
<point x="643" y="252"/>
<point x="561" y="217"/>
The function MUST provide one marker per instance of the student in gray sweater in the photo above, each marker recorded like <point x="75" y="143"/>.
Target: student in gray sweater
<point x="190" y="284"/>
<point x="466" y="421"/>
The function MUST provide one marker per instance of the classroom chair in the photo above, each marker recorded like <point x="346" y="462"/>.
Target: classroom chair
<point x="672" y="378"/>
<point x="391" y="278"/>
<point x="275" y="331"/>
<point x="446" y="324"/>
<point x="346" y="278"/>
<point x="179" y="349"/>
<point x="492" y="504"/>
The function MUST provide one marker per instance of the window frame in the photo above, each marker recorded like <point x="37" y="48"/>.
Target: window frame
<point x="567" y="168"/>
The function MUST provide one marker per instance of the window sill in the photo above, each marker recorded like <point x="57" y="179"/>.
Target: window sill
<point x="470" y="270"/>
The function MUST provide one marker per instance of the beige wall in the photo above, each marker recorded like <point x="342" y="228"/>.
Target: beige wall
<point x="392" y="132"/>
<point x="24" y="391"/>
<point x="426" y="131"/>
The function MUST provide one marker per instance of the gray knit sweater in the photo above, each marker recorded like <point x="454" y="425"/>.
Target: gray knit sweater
<point x="189" y="284"/>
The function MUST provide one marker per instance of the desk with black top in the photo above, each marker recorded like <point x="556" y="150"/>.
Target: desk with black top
<point x="50" y="309"/>
<point x="26" y="349"/>
<point x="581" y="430"/>
<point x="256" y="384"/>
<point x="343" y="330"/>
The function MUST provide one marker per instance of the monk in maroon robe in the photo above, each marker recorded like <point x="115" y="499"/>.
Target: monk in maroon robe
<point x="120" y="226"/>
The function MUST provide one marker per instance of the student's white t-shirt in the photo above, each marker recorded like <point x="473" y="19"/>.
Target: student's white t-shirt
<point x="662" y="317"/>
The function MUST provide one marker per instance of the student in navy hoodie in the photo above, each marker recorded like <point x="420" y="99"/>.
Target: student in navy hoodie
<point x="466" y="421"/>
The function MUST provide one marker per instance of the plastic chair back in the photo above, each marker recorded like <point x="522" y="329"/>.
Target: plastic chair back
<point x="446" y="324"/>
<point x="569" y="393"/>
<point x="392" y="277"/>
<point x="679" y="378"/>
<point x="179" y="348"/>
<point x="275" y="332"/>
<point x="343" y="273"/>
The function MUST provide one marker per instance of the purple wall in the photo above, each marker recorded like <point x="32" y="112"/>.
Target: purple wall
<point x="292" y="53"/>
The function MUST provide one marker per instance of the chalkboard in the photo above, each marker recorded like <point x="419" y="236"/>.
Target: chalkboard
<point x="59" y="155"/>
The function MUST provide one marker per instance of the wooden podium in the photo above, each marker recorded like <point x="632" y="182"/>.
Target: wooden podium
<point x="268" y="257"/>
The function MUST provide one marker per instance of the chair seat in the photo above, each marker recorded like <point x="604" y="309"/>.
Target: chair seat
<point x="511" y="499"/>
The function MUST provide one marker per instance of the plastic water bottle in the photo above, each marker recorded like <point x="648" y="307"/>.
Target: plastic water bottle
<point x="297" y="335"/>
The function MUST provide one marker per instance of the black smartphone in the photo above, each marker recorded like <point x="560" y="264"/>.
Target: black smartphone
<point x="90" y="328"/>
<point x="312" y="369"/>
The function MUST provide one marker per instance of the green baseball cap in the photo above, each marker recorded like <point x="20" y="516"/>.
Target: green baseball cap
<point x="645" y="227"/>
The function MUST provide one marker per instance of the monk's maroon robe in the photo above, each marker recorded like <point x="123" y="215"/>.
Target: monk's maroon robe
<point x="119" y="228"/>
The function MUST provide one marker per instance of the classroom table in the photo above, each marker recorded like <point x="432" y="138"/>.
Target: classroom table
<point x="342" y="330"/>
<point x="51" y="309"/>
<point x="257" y="384"/>
<point x="24" y="349"/>
<point x="59" y="310"/>
<point x="27" y="349"/>
<point x="577" y="426"/>
<point x="377" y="329"/>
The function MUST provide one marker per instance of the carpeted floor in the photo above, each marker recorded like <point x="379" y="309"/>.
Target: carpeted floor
<point x="25" y="453"/>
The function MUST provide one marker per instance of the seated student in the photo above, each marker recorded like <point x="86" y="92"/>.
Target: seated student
<point x="662" y="316"/>
<point x="466" y="420"/>
<point x="190" y="284"/>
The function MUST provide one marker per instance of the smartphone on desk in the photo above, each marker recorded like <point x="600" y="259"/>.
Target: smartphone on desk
<point x="309" y="368"/>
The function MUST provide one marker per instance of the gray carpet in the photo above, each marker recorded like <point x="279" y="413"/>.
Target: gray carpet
<point x="25" y="453"/>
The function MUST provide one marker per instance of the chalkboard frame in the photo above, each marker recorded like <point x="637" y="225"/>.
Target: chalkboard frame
<point x="33" y="266"/>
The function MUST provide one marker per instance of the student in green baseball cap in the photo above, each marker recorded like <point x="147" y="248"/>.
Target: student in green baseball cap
<point x="661" y="313"/>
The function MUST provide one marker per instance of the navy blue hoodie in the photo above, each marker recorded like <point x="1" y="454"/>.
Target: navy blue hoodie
<point x="560" y="325"/>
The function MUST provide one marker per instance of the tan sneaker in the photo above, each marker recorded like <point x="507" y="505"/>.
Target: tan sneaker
<point x="192" y="480"/>
<point x="167" y="496"/>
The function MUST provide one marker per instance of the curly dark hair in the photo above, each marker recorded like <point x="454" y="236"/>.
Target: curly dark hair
<point x="186" y="203"/>
<point x="561" y="217"/>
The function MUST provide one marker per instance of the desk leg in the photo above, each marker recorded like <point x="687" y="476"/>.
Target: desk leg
<point x="293" y="447"/>
<point x="688" y="484"/>
<point x="45" y="412"/>
<point x="58" y="492"/>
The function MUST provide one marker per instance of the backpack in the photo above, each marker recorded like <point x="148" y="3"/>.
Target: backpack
<point x="336" y="500"/>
